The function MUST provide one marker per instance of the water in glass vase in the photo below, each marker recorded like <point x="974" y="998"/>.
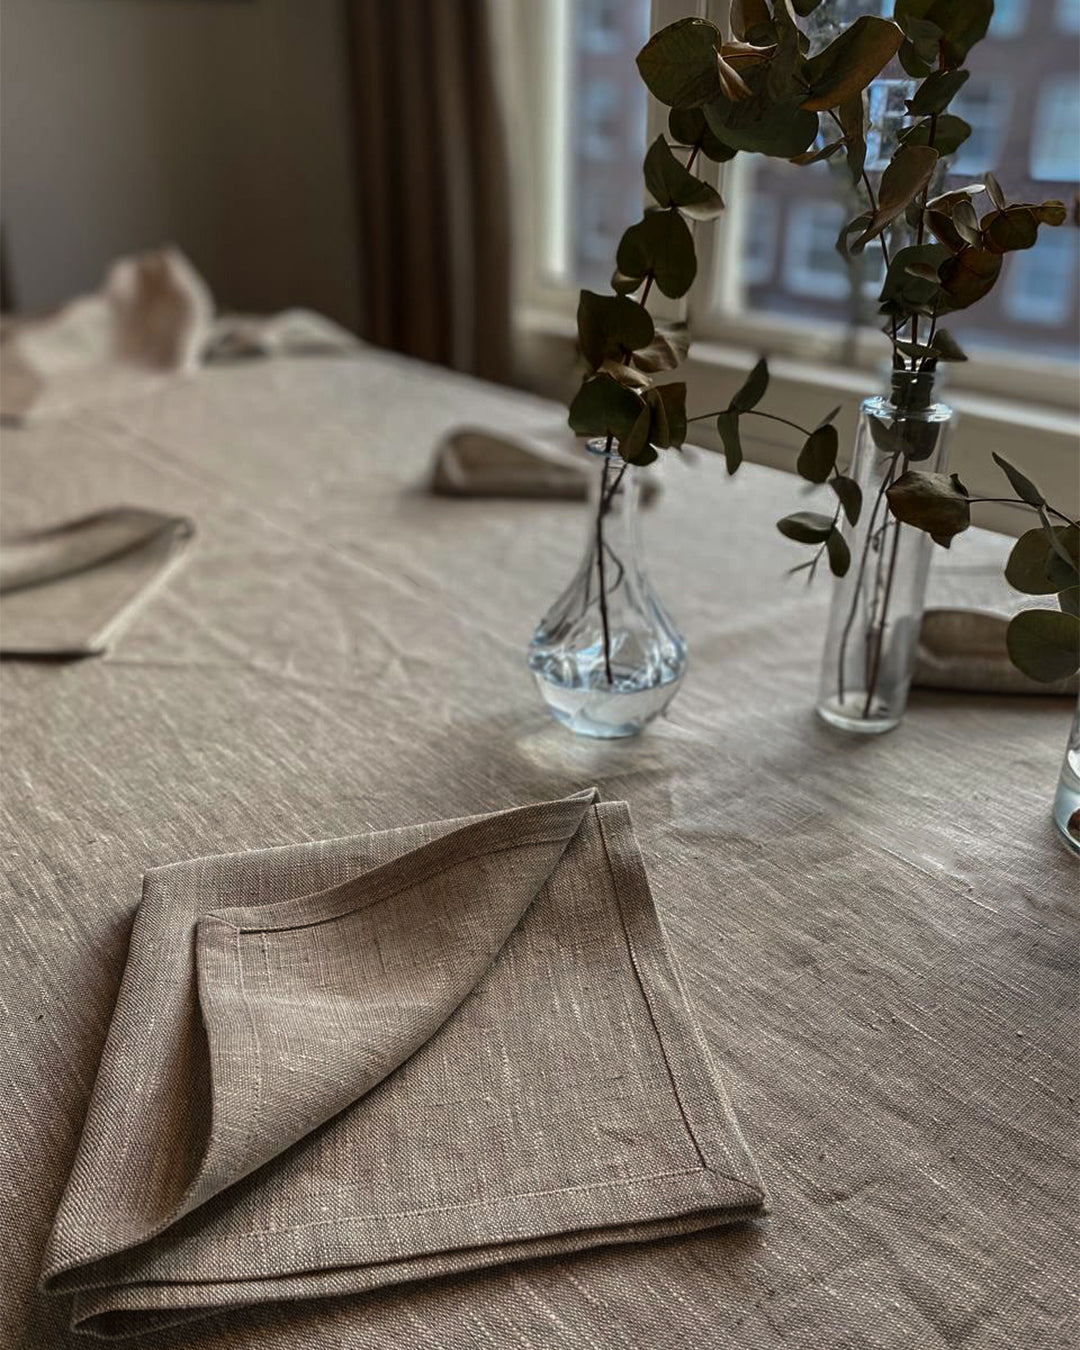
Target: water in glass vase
<point x="877" y="606"/>
<point x="606" y="656"/>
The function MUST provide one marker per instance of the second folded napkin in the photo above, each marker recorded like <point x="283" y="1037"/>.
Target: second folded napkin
<point x="344" y="1065"/>
<point x="67" y="589"/>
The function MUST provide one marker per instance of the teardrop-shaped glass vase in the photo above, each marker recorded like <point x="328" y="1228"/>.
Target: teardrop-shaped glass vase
<point x="606" y="656"/>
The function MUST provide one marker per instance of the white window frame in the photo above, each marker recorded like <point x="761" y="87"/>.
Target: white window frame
<point x="1004" y="400"/>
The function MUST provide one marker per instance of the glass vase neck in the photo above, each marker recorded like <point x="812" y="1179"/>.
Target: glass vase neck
<point x="912" y="390"/>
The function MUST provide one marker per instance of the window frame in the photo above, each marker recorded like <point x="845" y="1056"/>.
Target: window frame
<point x="1003" y="398"/>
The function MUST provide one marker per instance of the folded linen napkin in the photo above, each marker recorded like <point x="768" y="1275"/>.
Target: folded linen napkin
<point x="962" y="638"/>
<point x="146" y="325"/>
<point x="475" y="462"/>
<point x="339" y="1066"/>
<point x="67" y="590"/>
<point x="151" y="323"/>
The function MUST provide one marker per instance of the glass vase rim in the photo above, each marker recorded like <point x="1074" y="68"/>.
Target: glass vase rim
<point x="597" y="447"/>
<point x="932" y="412"/>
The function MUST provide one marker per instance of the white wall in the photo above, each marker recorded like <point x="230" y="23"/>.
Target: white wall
<point x="222" y="126"/>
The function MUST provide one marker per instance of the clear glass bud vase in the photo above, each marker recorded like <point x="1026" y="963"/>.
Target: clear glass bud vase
<point x="1067" y="801"/>
<point x="606" y="656"/>
<point x="877" y="607"/>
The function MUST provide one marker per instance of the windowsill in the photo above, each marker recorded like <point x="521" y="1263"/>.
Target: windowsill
<point x="1042" y="439"/>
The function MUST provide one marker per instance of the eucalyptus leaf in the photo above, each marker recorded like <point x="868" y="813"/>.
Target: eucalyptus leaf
<point x="1006" y="231"/>
<point x="993" y="188"/>
<point x="679" y="64"/>
<point x="806" y="527"/>
<point x="909" y="171"/>
<point x="727" y="424"/>
<point x="888" y="439"/>
<point x="746" y="15"/>
<point x="946" y="347"/>
<point x="1069" y="600"/>
<point x="852" y="118"/>
<point x="667" y="402"/>
<point x="839" y="553"/>
<point x="1051" y="213"/>
<point x="634" y="446"/>
<point x="661" y="245"/>
<point x="782" y="130"/>
<point x="752" y="390"/>
<point x="669" y="347"/>
<point x="937" y="91"/>
<point x="852" y="227"/>
<point x="969" y="275"/>
<point x="1063" y="560"/>
<point x="1024" y="488"/>
<point x="609" y="325"/>
<point x="671" y="184"/>
<point x="604" y="407"/>
<point x="1028" y="567"/>
<point x="933" y="502"/>
<point x="687" y="126"/>
<point x="804" y="7"/>
<point x="817" y="458"/>
<point x="851" y="62"/>
<point x="950" y="133"/>
<point x="962" y="22"/>
<point x="850" y="495"/>
<point x="1044" y="644"/>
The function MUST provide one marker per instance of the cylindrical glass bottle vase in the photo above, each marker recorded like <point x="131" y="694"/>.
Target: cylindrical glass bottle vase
<point x="877" y="607"/>
<point x="1067" y="801"/>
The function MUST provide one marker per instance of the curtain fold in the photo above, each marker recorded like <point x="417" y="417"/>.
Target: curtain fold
<point x="433" y="195"/>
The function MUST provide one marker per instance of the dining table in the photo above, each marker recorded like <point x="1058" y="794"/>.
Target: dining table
<point x="877" y="935"/>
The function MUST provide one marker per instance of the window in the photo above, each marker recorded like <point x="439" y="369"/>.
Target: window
<point x="812" y="265"/>
<point x="760" y="255"/>
<point x="1068" y="16"/>
<point x="1041" y="282"/>
<point x="1008" y="20"/>
<point x="600" y="26"/>
<point x="887" y="117"/>
<point x="985" y="104"/>
<point x="769" y="275"/>
<point x="1055" y="150"/>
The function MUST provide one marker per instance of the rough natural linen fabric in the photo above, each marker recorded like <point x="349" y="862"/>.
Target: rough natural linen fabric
<point x="67" y="590"/>
<point x="444" y="1049"/>
<point x="877" y="937"/>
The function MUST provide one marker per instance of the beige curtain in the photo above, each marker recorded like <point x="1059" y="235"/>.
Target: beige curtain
<point x="434" y="200"/>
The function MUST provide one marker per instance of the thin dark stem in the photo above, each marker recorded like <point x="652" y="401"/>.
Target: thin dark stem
<point x="879" y="642"/>
<point x="600" y="550"/>
<point x="850" y="621"/>
<point x="1015" y="501"/>
<point x="752" y="412"/>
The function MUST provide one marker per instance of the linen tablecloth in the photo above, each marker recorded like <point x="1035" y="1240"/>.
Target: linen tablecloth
<point x="878" y="936"/>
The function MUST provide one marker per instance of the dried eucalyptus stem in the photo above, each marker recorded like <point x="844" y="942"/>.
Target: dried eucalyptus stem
<point x="760" y="91"/>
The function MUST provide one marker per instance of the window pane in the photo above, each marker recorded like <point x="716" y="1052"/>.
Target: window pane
<point x="1023" y="104"/>
<point x="605" y="131"/>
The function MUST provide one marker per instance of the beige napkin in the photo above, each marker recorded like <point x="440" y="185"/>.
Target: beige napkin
<point x="962" y="638"/>
<point x="476" y="462"/>
<point x="147" y="324"/>
<point x="151" y="323"/>
<point x="344" y="1065"/>
<point x="67" y="590"/>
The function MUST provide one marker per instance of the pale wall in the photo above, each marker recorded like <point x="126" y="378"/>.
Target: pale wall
<point x="218" y="125"/>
